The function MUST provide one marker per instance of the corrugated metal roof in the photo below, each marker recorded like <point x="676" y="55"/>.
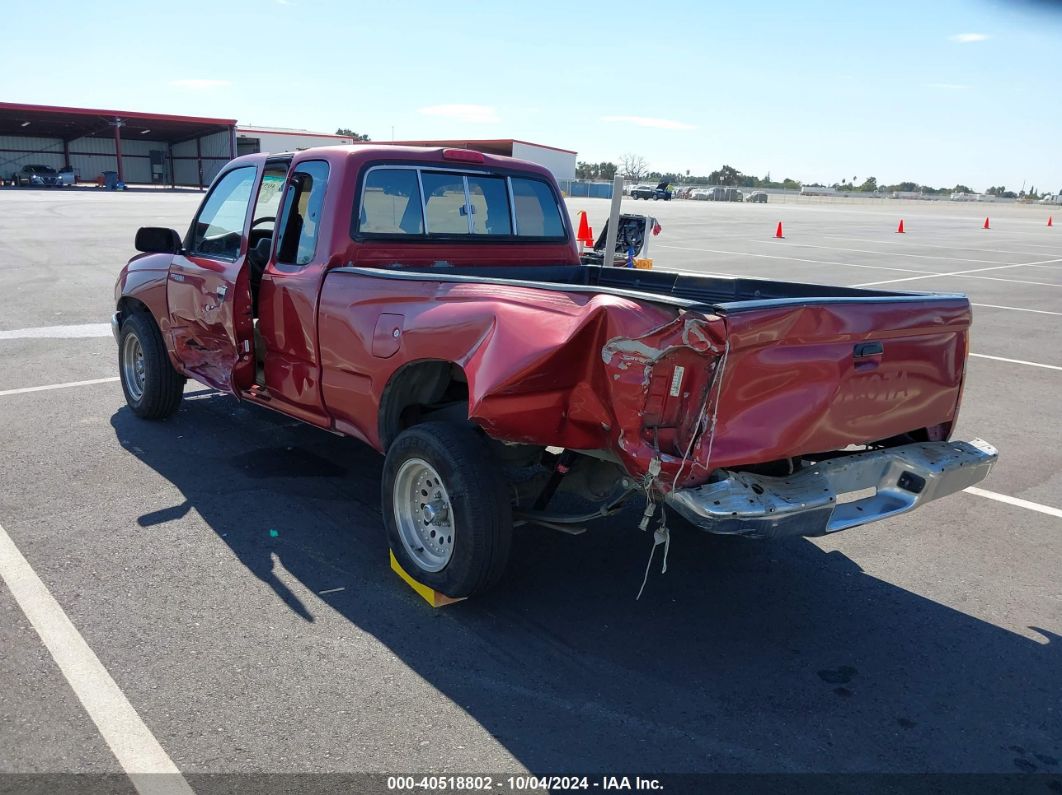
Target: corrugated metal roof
<point x="51" y="121"/>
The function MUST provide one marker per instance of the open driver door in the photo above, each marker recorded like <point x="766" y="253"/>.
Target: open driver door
<point x="209" y="290"/>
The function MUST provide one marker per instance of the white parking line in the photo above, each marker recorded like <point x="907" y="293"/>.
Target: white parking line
<point x="799" y="259"/>
<point x="959" y="273"/>
<point x="1017" y="361"/>
<point x="68" y="384"/>
<point x="58" y="332"/>
<point x="1018" y="309"/>
<point x="1032" y="506"/>
<point x="1011" y="281"/>
<point x="951" y="247"/>
<point x="148" y="766"/>
<point x="884" y="253"/>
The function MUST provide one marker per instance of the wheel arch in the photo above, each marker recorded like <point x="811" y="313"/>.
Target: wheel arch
<point x="128" y="305"/>
<point x="420" y="390"/>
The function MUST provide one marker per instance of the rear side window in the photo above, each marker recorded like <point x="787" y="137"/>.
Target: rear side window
<point x="537" y="214"/>
<point x="390" y="203"/>
<point x="218" y="229"/>
<point x="301" y="216"/>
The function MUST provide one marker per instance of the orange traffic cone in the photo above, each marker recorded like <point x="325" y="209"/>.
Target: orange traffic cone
<point x="986" y="226"/>
<point x="1050" y="221"/>
<point x="584" y="235"/>
<point x="778" y="231"/>
<point x="899" y="229"/>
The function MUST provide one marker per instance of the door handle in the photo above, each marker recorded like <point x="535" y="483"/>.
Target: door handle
<point x="863" y="349"/>
<point x="222" y="291"/>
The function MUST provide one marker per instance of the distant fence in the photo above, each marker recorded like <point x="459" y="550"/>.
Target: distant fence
<point x="591" y="189"/>
<point x="586" y="189"/>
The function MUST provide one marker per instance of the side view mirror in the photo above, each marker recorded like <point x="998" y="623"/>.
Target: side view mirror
<point x="157" y="240"/>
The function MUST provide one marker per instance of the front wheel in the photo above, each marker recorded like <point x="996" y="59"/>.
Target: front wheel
<point x="153" y="389"/>
<point x="447" y="515"/>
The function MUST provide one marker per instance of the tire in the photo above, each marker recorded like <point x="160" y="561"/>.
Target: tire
<point x="465" y="550"/>
<point x="153" y="389"/>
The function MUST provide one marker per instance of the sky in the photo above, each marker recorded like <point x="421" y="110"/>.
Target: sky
<point x="937" y="92"/>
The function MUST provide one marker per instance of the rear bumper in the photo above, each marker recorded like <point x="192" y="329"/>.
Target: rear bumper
<point x="836" y="494"/>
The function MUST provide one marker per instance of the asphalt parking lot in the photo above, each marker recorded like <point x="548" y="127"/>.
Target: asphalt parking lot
<point x="228" y="567"/>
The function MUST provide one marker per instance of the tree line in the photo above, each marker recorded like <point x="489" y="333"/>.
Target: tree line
<point x="635" y="168"/>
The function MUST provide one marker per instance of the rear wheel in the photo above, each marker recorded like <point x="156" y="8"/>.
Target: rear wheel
<point x="153" y="389"/>
<point x="447" y="515"/>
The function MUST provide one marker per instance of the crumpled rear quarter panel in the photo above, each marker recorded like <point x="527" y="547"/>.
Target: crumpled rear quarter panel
<point x="533" y="358"/>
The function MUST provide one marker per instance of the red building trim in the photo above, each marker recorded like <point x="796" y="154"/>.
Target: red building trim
<point x="125" y="114"/>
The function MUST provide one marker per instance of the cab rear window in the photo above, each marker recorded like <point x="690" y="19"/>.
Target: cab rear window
<point x="425" y="202"/>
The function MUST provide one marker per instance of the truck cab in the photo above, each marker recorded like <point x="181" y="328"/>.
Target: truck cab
<point x="243" y="282"/>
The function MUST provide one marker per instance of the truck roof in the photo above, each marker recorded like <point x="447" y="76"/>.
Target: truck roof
<point x="354" y="155"/>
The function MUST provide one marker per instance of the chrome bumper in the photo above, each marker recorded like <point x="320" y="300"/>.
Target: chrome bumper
<point x="116" y="326"/>
<point x="835" y="494"/>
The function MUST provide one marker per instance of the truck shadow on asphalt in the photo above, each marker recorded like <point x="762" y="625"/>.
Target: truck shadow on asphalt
<point x="745" y="656"/>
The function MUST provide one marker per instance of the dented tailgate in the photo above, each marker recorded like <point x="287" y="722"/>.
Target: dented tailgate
<point x="807" y="377"/>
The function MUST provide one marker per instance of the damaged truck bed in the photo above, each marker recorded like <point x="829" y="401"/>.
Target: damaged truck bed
<point x="504" y="380"/>
<point x="761" y="377"/>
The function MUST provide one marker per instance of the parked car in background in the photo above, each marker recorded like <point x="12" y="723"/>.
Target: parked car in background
<point x="66" y="176"/>
<point x="662" y="191"/>
<point x="647" y="192"/>
<point x="700" y="194"/>
<point x="35" y="175"/>
<point x="721" y="194"/>
<point x="758" y="196"/>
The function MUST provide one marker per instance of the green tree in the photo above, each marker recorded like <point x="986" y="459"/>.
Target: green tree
<point x="352" y="134"/>
<point x="607" y="170"/>
<point x="727" y="175"/>
<point x="870" y="184"/>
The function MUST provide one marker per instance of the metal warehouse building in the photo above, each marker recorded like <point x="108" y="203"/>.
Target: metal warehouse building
<point x="142" y="147"/>
<point x="253" y="139"/>
<point x="168" y="150"/>
<point x="559" y="161"/>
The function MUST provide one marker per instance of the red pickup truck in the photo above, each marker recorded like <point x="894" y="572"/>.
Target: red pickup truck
<point x="431" y="303"/>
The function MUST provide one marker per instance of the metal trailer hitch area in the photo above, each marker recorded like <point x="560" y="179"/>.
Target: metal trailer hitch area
<point x="835" y="494"/>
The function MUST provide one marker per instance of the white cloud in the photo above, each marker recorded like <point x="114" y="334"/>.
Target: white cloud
<point x="199" y="84"/>
<point x="968" y="38"/>
<point x="473" y="114"/>
<point x="646" y="121"/>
